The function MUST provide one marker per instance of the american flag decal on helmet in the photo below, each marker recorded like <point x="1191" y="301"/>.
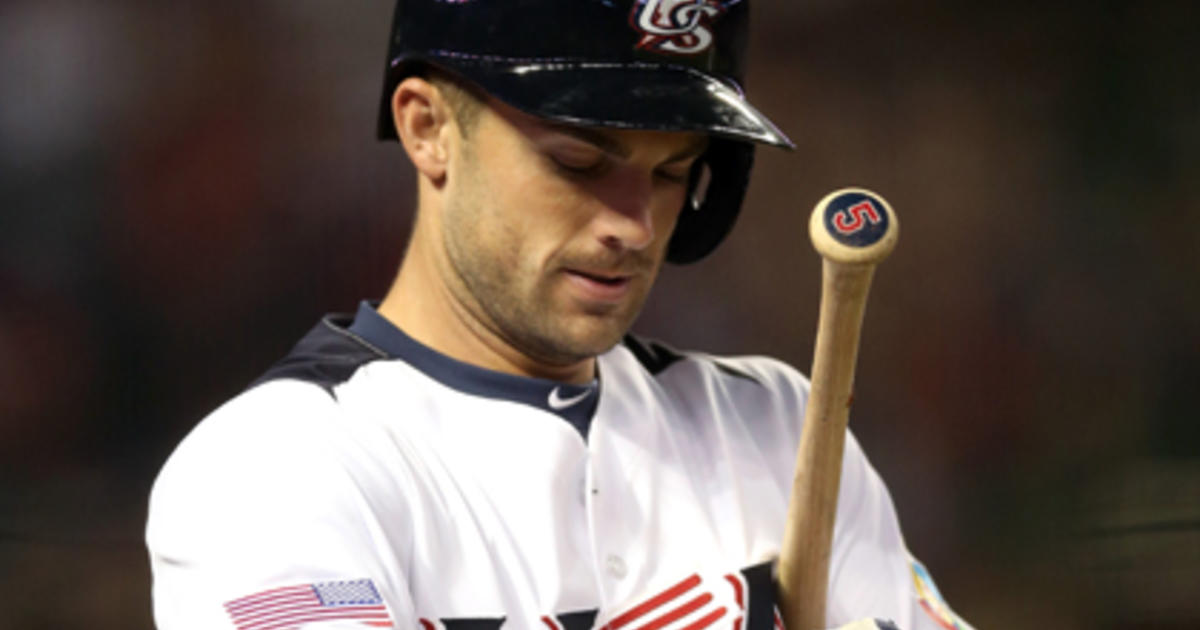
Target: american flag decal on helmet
<point x="289" y="607"/>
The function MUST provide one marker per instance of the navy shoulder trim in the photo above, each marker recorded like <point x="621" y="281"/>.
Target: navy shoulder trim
<point x="734" y="372"/>
<point x="656" y="356"/>
<point x="326" y="356"/>
<point x="653" y="355"/>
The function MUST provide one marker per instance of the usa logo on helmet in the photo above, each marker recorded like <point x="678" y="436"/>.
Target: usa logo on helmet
<point x="675" y="26"/>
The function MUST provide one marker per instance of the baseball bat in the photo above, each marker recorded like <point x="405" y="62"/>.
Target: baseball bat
<point x="853" y="230"/>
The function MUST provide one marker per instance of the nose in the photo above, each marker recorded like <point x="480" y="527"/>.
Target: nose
<point x="626" y="217"/>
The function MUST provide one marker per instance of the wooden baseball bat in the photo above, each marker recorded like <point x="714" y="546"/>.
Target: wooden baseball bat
<point x="853" y="230"/>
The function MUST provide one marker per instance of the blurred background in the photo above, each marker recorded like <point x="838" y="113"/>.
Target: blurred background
<point x="185" y="187"/>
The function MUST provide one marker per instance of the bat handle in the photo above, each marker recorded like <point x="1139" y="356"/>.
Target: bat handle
<point x="853" y="230"/>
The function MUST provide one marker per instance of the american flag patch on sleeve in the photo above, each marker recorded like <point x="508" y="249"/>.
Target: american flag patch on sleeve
<point x="288" y="607"/>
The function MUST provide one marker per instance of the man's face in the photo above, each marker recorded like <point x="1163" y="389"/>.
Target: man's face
<point x="555" y="234"/>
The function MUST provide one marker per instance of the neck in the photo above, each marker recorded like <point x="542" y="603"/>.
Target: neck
<point x="422" y="305"/>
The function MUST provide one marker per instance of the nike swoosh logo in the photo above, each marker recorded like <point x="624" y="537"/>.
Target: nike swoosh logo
<point x="558" y="403"/>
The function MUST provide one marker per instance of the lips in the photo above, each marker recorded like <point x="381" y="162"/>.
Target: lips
<point x="603" y="278"/>
<point x="599" y="286"/>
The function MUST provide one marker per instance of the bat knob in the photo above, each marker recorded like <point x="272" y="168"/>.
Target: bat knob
<point x="853" y="226"/>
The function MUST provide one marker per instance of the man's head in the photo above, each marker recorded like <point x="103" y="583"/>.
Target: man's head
<point x="558" y="143"/>
<point x="549" y="235"/>
<point x="665" y="65"/>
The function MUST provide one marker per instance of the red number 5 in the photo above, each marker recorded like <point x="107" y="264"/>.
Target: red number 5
<point x="852" y="219"/>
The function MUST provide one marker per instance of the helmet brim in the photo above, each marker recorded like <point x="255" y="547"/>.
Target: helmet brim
<point x="618" y="95"/>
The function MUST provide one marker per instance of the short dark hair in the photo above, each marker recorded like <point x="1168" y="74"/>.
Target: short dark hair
<point x="466" y="99"/>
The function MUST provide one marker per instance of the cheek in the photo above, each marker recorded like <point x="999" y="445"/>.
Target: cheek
<point x="537" y="216"/>
<point x="668" y="207"/>
<point x="552" y="205"/>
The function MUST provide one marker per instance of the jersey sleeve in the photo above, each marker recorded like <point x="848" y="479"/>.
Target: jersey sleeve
<point x="257" y="518"/>
<point x="871" y="570"/>
<point x="871" y="573"/>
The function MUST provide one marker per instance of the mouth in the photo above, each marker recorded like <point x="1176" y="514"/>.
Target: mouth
<point x="599" y="286"/>
<point x="609" y="279"/>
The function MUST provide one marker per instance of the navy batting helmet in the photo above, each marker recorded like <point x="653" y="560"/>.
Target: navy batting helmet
<point x="667" y="65"/>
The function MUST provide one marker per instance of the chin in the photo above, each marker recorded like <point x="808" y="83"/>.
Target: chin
<point x="582" y="340"/>
<point x="601" y="338"/>
<point x="566" y="331"/>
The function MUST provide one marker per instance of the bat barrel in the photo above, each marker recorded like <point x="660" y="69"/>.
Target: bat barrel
<point x="853" y="230"/>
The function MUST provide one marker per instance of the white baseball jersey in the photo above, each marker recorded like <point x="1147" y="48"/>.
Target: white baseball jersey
<point x="368" y="481"/>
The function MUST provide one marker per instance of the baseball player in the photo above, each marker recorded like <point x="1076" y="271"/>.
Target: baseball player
<point x="487" y="447"/>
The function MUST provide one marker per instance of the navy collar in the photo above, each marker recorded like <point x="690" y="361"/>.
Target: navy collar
<point x="574" y="403"/>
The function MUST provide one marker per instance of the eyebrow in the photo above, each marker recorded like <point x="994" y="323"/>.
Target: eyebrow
<point x="610" y="145"/>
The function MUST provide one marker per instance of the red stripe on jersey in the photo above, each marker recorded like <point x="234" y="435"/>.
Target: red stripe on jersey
<point x="654" y="602"/>
<point x="739" y="594"/>
<point x="550" y="623"/>
<point x="676" y="614"/>
<point x="709" y="619"/>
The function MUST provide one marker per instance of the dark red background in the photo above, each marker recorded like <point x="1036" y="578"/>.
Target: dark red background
<point x="186" y="186"/>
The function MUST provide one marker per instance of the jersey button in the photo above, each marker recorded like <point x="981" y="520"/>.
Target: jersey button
<point x="616" y="566"/>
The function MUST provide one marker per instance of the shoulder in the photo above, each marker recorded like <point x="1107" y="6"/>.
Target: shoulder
<point x="285" y="418"/>
<point x="283" y="412"/>
<point x="281" y="485"/>
<point x="255" y="450"/>
<point x="758" y="391"/>
<point x="667" y="364"/>
<point x="756" y="401"/>
<point x="326" y="356"/>
<point x="284" y="452"/>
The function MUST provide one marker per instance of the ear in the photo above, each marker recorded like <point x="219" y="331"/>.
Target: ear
<point x="423" y="118"/>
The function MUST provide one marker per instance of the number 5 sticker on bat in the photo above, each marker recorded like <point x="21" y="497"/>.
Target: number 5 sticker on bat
<point x="859" y="215"/>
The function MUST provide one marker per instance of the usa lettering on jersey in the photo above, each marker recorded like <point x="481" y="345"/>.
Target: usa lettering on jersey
<point x="733" y="601"/>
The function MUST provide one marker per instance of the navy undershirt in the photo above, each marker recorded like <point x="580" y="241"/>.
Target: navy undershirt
<point x="574" y="403"/>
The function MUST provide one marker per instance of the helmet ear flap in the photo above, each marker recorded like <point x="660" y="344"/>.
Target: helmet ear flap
<point x="704" y="222"/>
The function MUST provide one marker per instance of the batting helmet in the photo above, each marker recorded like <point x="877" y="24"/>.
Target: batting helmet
<point x="667" y="65"/>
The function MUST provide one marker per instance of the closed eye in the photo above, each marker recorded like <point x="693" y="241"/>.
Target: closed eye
<point x="578" y="164"/>
<point x="678" y="168"/>
<point x="573" y="156"/>
<point x="675" y="173"/>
